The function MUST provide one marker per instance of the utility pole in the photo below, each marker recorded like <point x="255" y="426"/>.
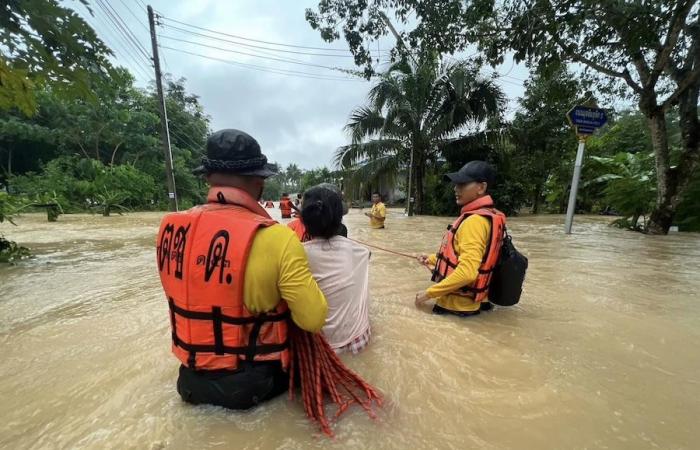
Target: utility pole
<point x="571" y="208"/>
<point x="409" y="197"/>
<point x="164" y="131"/>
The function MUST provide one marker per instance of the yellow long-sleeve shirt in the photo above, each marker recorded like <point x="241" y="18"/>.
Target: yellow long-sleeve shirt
<point x="277" y="268"/>
<point x="378" y="215"/>
<point x="470" y="243"/>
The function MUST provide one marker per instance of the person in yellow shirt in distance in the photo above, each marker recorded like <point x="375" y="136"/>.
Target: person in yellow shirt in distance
<point x="377" y="214"/>
<point x="471" y="183"/>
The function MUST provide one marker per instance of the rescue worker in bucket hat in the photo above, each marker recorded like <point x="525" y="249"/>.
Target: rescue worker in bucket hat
<point x="233" y="279"/>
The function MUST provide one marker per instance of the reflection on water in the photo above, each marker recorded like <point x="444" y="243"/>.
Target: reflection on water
<point x="602" y="352"/>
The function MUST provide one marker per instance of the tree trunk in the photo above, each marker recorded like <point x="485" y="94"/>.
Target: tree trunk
<point x="537" y="195"/>
<point x="662" y="215"/>
<point x="635" y="220"/>
<point x="419" y="179"/>
<point x="114" y="153"/>
<point x="672" y="182"/>
<point x="9" y="161"/>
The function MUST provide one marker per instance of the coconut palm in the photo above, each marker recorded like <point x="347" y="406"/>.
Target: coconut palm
<point x="420" y="109"/>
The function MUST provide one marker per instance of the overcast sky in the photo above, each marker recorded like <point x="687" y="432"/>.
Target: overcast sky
<point x="295" y="118"/>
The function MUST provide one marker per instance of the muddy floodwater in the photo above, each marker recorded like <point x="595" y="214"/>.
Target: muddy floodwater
<point x="602" y="352"/>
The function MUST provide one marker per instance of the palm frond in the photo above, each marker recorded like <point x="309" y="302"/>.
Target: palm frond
<point x="385" y="168"/>
<point x="350" y="155"/>
<point x="364" y="122"/>
<point x="493" y="138"/>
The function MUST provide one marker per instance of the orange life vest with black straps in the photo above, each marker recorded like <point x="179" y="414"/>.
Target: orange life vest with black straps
<point x="447" y="257"/>
<point x="300" y="229"/>
<point x="202" y="256"/>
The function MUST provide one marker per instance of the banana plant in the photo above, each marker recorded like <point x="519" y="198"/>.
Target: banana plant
<point x="630" y="185"/>
<point x="108" y="201"/>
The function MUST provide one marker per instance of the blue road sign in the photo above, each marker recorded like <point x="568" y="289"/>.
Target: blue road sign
<point x="583" y="116"/>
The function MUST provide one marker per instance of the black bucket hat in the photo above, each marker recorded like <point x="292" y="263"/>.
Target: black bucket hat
<point x="234" y="151"/>
<point x="479" y="171"/>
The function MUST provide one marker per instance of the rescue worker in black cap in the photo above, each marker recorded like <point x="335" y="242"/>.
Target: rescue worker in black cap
<point x="471" y="246"/>
<point x="233" y="278"/>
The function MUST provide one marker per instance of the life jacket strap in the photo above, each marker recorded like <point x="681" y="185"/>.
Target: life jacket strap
<point x="218" y="319"/>
<point x="203" y="315"/>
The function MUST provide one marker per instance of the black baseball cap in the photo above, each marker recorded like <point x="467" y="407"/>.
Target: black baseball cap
<point x="235" y="151"/>
<point x="479" y="171"/>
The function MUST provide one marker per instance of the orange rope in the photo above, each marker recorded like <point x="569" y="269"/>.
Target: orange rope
<point x="321" y="373"/>
<point x="383" y="249"/>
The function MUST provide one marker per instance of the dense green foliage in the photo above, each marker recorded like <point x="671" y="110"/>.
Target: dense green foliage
<point x="46" y="44"/>
<point x="106" y="151"/>
<point x="296" y="180"/>
<point x="540" y="133"/>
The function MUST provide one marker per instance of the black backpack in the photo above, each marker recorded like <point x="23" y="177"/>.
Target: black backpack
<point x="508" y="275"/>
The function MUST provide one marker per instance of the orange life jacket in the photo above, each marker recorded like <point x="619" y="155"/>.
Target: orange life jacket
<point x="286" y="206"/>
<point x="447" y="257"/>
<point x="300" y="229"/>
<point x="202" y="256"/>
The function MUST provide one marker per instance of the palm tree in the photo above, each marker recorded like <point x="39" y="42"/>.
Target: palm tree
<point x="417" y="109"/>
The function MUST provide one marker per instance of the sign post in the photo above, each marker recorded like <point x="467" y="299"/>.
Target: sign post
<point x="585" y="120"/>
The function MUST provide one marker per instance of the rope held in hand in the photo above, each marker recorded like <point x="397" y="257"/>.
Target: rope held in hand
<point x="383" y="249"/>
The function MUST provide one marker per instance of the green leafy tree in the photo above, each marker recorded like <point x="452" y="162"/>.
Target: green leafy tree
<point x="76" y="183"/>
<point x="120" y="128"/>
<point x="314" y="177"/>
<point x="16" y="133"/>
<point x="417" y="109"/>
<point x="689" y="210"/>
<point x="648" y="51"/>
<point x="509" y="192"/>
<point x="44" y="43"/>
<point x="9" y="207"/>
<point x="106" y="129"/>
<point x="292" y="178"/>
<point x="273" y="188"/>
<point x="540" y="133"/>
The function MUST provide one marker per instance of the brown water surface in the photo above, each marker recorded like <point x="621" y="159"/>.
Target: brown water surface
<point x="602" y="352"/>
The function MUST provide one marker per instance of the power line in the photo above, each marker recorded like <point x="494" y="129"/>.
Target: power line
<point x="128" y="30"/>
<point x="134" y="15"/>
<point x="271" y="58"/>
<point x="254" y="40"/>
<point x="125" y="39"/>
<point x="182" y="138"/>
<point x="182" y="135"/>
<point x="116" y="18"/>
<point x="182" y="30"/>
<point x="137" y="63"/>
<point x="142" y="4"/>
<point x="262" y="52"/>
<point x="266" y="69"/>
<point x="509" y="82"/>
<point x="165" y="61"/>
